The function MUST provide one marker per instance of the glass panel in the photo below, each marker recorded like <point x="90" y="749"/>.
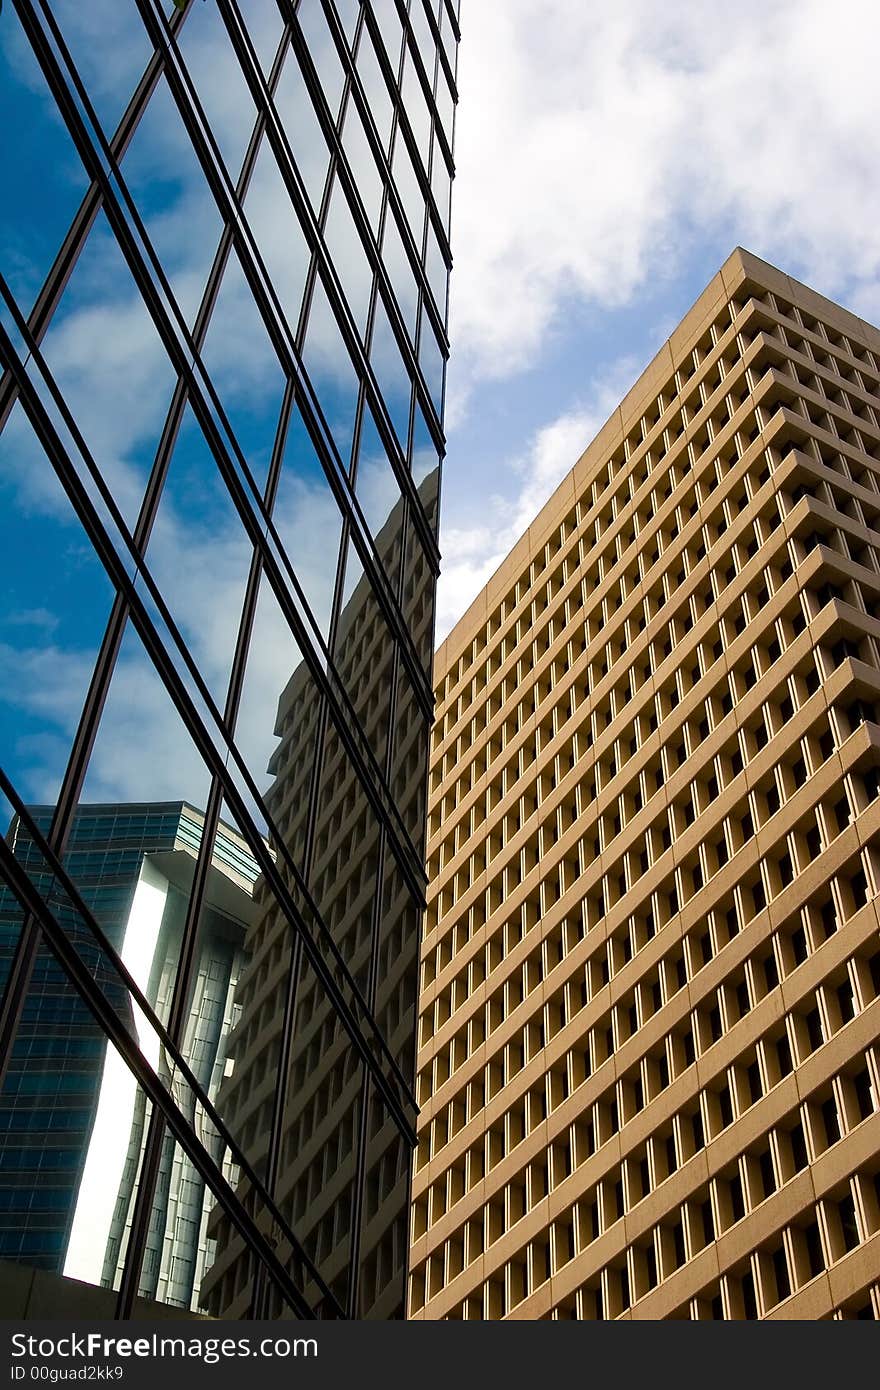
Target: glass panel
<point x="418" y="584"/>
<point x="362" y="164"/>
<point x="424" y="35"/>
<point x="219" y="82"/>
<point x="278" y="234"/>
<point x="57" y="599"/>
<point x="441" y="186"/>
<point x="379" y="101"/>
<point x="390" y="28"/>
<point x="392" y="375"/>
<point x="296" y="112"/>
<point x="425" y="464"/>
<point x="322" y="50"/>
<point x="408" y="188"/>
<point x="445" y="106"/>
<point x="438" y="274"/>
<point x="241" y="361"/>
<point x="309" y="523"/>
<point x="432" y="363"/>
<point x="400" y="271"/>
<point x="409" y="762"/>
<point x="167" y="183"/>
<point x="448" y="37"/>
<point x="416" y="106"/>
<point x="142" y="752"/>
<point x="43" y="179"/>
<point x="384" y="1218"/>
<point x="348" y="11"/>
<point x="264" y="27"/>
<point x="109" y="362"/>
<point x="376" y="486"/>
<point x="200" y="555"/>
<point x="331" y="370"/>
<point x="278" y="700"/>
<point x="397" y="966"/>
<point x="349" y="257"/>
<point x="364" y="650"/>
<point x="110" y="47"/>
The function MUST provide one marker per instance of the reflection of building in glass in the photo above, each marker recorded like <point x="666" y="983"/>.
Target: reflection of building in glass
<point x="72" y="1121"/>
<point x="220" y="439"/>
<point x="648" y="1058"/>
<point x="329" y="1111"/>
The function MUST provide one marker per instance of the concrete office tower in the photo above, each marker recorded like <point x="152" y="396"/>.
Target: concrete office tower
<point x="648" y="1063"/>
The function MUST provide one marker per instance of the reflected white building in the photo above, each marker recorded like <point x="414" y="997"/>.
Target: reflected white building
<point x="135" y="867"/>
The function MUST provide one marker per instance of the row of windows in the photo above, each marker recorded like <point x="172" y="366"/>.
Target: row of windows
<point x="799" y="1138"/>
<point x="622" y="480"/>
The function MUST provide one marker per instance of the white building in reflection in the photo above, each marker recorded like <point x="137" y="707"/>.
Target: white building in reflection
<point x="134" y="865"/>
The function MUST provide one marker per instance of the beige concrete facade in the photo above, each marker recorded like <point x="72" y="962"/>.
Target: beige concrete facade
<point x="648" y="1069"/>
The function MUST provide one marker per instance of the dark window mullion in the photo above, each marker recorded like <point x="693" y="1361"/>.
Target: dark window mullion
<point x="359" y="356"/>
<point x="202" y="739"/>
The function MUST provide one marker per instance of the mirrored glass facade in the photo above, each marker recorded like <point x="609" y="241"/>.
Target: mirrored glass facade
<point x="224" y="255"/>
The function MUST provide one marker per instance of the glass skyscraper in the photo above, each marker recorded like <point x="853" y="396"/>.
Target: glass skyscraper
<point x="71" y="1120"/>
<point x="223" y="276"/>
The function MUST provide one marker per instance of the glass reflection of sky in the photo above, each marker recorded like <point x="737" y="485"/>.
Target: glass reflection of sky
<point x="108" y="361"/>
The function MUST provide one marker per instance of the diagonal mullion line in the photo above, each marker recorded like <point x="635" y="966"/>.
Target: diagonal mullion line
<point x="131" y="1274"/>
<point x="425" y="83"/>
<point x="396" y="454"/>
<point x="350" y="70"/>
<point x="330" y="276"/>
<point x="447" y="68"/>
<point x="217" y="179"/>
<point x="230" y="209"/>
<point x="57" y="939"/>
<point x="214" y="760"/>
<point x="186" y="360"/>
<point x="265" y="296"/>
<point x="75" y="771"/>
<point x="62" y="268"/>
<point x="88" y="515"/>
<point x="163" y="1032"/>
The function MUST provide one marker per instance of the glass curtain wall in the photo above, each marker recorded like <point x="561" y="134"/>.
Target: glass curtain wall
<point x="224" y="257"/>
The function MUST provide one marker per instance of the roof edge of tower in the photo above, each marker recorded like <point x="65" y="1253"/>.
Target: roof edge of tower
<point x="742" y="266"/>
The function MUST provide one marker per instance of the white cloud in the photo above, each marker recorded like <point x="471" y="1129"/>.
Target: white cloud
<point x="471" y="554"/>
<point x="594" y="143"/>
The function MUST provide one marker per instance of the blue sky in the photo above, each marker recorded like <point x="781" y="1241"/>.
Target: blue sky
<point x="609" y="158"/>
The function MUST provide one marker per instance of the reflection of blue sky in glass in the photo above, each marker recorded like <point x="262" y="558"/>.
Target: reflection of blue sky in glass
<point x="56" y="600"/>
<point x="43" y="180"/>
<point x="110" y="365"/>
